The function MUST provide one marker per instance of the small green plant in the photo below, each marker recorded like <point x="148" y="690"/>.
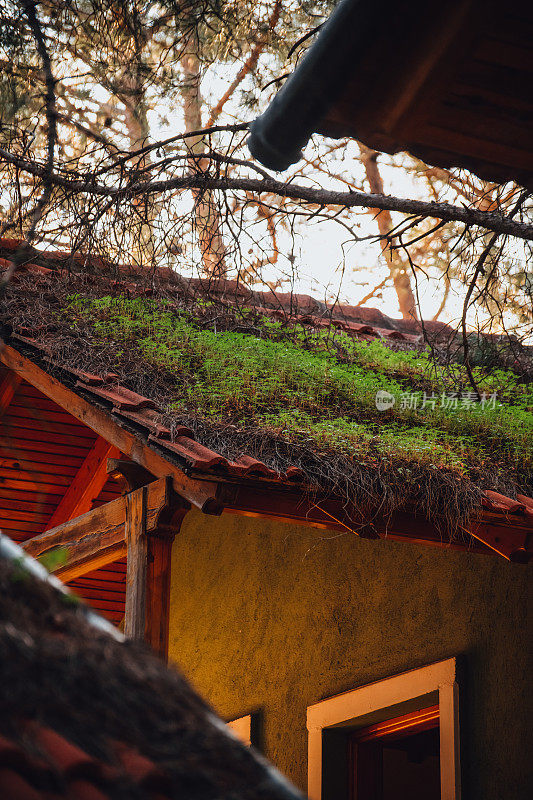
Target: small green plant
<point x="54" y="559"/>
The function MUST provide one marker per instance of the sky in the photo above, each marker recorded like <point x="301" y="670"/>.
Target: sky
<point x="325" y="265"/>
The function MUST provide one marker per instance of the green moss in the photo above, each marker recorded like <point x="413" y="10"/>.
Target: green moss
<point x="320" y="387"/>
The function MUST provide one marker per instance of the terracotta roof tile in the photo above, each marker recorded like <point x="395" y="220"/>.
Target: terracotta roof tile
<point x="83" y="790"/>
<point x="196" y="454"/>
<point x="499" y="502"/>
<point x="65" y="756"/>
<point x="15" y="787"/>
<point x="93" y="380"/>
<point x="149" y="419"/>
<point x="284" y="305"/>
<point x="295" y="474"/>
<point x="135" y="764"/>
<point x="64" y="771"/>
<point x="120" y="397"/>
<point x="251" y="466"/>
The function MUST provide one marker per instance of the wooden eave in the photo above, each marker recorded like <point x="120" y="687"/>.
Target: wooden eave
<point x="449" y="83"/>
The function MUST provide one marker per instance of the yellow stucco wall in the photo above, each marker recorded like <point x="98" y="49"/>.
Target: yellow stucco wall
<point x="271" y="617"/>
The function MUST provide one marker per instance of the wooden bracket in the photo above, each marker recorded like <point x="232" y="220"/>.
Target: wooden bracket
<point x="128" y="474"/>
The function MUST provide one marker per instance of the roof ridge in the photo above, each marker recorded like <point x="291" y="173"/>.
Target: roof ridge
<point x="294" y="307"/>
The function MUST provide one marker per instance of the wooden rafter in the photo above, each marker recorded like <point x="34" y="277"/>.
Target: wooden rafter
<point x="202" y="494"/>
<point x="86" y="485"/>
<point x="9" y="383"/>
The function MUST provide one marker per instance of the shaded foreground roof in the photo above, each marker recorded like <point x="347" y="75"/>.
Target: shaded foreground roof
<point x="84" y="716"/>
<point x="448" y="82"/>
<point x="193" y="448"/>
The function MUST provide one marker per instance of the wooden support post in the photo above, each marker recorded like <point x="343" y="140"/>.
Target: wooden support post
<point x="148" y="571"/>
<point x="158" y="593"/>
<point x="137" y="569"/>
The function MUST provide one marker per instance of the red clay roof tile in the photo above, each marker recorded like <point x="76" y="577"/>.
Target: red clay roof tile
<point x="13" y="786"/>
<point x="68" y="773"/>
<point x="295" y="474"/>
<point x="83" y="790"/>
<point x="251" y="466"/>
<point x="65" y="756"/>
<point x="120" y="397"/>
<point x="196" y="454"/>
<point x="527" y="501"/>
<point x="499" y="502"/>
<point x="149" y="418"/>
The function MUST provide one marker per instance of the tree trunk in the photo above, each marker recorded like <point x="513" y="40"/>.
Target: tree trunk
<point x="398" y="269"/>
<point x="136" y="121"/>
<point x="208" y="224"/>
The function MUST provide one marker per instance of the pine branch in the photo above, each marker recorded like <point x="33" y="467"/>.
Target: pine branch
<point x="446" y="212"/>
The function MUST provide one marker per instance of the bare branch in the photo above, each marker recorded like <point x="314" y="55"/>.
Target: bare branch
<point x="51" y="119"/>
<point x="491" y="221"/>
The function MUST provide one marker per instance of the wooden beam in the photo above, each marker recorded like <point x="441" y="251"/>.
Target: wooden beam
<point x="9" y="383"/>
<point x="86" y="485"/>
<point x="98" y="536"/>
<point x="202" y="494"/>
<point x="107" y="519"/>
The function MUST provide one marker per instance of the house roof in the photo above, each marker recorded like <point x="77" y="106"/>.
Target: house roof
<point x="89" y="716"/>
<point x="215" y="447"/>
<point x="448" y="82"/>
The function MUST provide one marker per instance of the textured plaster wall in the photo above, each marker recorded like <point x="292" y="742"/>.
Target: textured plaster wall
<point x="272" y="617"/>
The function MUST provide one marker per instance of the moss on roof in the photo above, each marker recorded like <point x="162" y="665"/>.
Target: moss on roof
<point x="317" y="390"/>
<point x="293" y="394"/>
